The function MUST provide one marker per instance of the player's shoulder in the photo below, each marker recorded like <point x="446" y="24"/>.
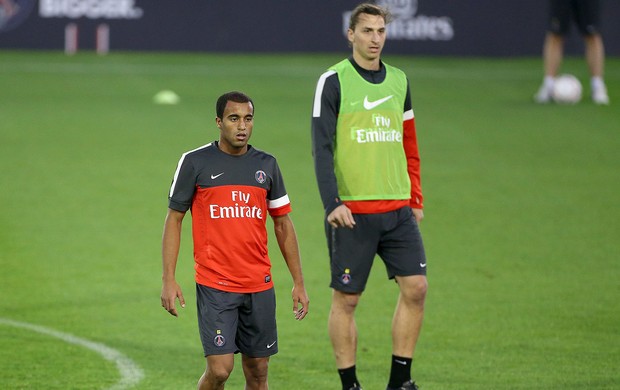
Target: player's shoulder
<point x="392" y="68"/>
<point x="201" y="154"/>
<point x="328" y="82"/>
<point x="340" y="65"/>
<point x="330" y="75"/>
<point x="197" y="156"/>
<point x="328" y="78"/>
<point x="260" y="154"/>
<point x="201" y="150"/>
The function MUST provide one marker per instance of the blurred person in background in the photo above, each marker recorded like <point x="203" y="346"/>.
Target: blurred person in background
<point x="8" y="9"/>
<point x="586" y="15"/>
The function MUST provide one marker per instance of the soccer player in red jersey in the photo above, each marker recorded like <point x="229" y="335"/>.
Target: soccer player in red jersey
<point x="230" y="188"/>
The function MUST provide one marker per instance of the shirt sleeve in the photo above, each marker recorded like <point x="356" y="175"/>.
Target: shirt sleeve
<point x="278" y="202"/>
<point x="183" y="185"/>
<point x="324" y="117"/>
<point x="410" y="143"/>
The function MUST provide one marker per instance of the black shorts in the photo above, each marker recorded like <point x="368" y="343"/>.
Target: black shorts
<point x="233" y="322"/>
<point x="394" y="236"/>
<point x="585" y="13"/>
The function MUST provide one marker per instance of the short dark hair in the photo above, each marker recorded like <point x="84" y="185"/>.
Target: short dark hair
<point x="370" y="9"/>
<point x="233" y="96"/>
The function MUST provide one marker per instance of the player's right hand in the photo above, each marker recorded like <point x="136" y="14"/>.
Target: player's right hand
<point x="341" y="216"/>
<point x="170" y="291"/>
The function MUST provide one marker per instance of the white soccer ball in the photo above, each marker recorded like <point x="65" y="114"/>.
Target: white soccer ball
<point x="566" y="89"/>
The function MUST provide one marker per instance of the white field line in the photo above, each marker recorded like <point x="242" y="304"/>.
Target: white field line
<point x="129" y="371"/>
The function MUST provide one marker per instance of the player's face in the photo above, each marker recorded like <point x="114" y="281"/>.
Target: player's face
<point x="236" y="127"/>
<point x="368" y="37"/>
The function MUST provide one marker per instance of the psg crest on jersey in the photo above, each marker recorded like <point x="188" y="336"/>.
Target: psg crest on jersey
<point x="260" y="176"/>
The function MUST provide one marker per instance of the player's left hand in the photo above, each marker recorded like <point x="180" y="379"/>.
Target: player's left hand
<point x="301" y="302"/>
<point x="418" y="214"/>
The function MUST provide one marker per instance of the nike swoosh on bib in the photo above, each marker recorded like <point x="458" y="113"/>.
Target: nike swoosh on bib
<point x="213" y="177"/>
<point x="370" y="105"/>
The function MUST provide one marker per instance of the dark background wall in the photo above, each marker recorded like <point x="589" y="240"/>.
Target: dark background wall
<point x="424" y="27"/>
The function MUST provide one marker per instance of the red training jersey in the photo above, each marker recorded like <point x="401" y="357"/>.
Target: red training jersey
<point x="230" y="198"/>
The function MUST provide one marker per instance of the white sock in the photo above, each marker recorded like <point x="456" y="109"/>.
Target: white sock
<point x="597" y="83"/>
<point x="548" y="82"/>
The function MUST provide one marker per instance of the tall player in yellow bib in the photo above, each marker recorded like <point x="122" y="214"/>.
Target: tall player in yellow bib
<point x="368" y="172"/>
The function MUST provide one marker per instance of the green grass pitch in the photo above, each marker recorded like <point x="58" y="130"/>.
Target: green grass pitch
<point x="522" y="222"/>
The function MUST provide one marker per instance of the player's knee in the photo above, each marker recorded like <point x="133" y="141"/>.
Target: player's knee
<point x="218" y="374"/>
<point x="256" y="376"/>
<point x="346" y="301"/>
<point x="414" y="289"/>
<point x="421" y="289"/>
<point x="256" y="370"/>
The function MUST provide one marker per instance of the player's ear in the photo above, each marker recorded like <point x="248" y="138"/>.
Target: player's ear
<point x="350" y="34"/>
<point x="218" y="122"/>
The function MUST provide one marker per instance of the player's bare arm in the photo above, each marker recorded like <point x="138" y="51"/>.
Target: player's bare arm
<point x="287" y="241"/>
<point x="341" y="216"/>
<point x="171" y="242"/>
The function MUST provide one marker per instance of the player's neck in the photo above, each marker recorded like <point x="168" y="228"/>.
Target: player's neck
<point x="232" y="150"/>
<point x="368" y="64"/>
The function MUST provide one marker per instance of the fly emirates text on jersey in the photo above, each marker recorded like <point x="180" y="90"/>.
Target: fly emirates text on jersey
<point x="381" y="133"/>
<point x="238" y="210"/>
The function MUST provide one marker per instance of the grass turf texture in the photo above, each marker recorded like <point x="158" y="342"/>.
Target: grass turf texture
<point x="521" y="225"/>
